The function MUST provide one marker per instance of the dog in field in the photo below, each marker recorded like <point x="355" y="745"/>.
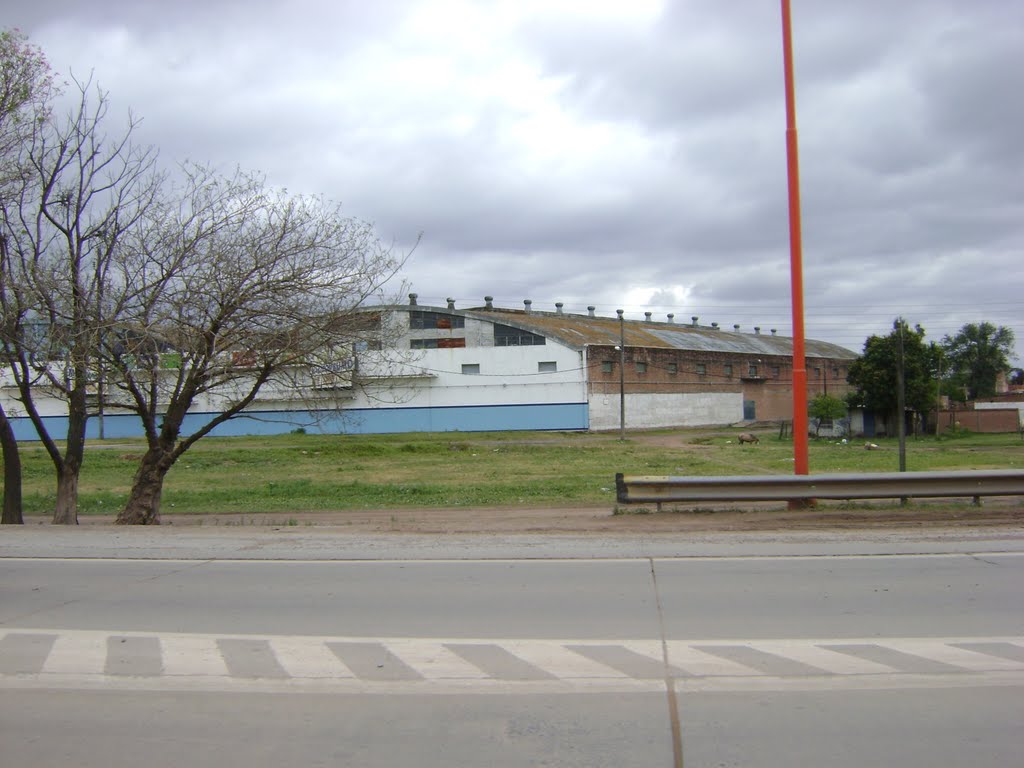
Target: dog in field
<point x="747" y="437"/>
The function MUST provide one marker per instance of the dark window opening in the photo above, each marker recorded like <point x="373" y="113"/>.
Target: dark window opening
<point x="429" y="320"/>
<point x="455" y="343"/>
<point x="506" y="336"/>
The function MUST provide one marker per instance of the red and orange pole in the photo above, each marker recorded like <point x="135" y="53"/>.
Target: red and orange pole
<point x="795" y="256"/>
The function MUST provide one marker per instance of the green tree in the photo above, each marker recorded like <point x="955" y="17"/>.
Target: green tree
<point x="874" y="373"/>
<point x="825" y="407"/>
<point x="976" y="355"/>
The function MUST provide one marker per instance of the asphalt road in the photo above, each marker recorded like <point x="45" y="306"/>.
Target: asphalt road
<point x="752" y="651"/>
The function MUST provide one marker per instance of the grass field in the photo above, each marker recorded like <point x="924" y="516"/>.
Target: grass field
<point x="310" y="473"/>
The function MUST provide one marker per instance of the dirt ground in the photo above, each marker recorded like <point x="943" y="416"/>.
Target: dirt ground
<point x="1005" y="512"/>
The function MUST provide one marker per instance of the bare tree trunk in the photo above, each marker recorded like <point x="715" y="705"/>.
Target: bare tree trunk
<point x="143" y="505"/>
<point x="69" y="468"/>
<point x="12" y="514"/>
<point x="66" y="510"/>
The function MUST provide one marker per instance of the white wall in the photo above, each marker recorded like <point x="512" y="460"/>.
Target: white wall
<point x="508" y="375"/>
<point x="667" y="410"/>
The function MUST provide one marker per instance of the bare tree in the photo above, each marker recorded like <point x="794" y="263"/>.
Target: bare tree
<point x="81" y="191"/>
<point x="229" y="291"/>
<point x="26" y="89"/>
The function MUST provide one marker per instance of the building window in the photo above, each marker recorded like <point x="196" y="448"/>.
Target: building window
<point x="775" y="372"/>
<point x="507" y="336"/>
<point x="817" y="373"/>
<point x="549" y="366"/>
<point x="430" y="320"/>
<point x="835" y="373"/>
<point x="702" y="369"/>
<point x="673" y="369"/>
<point x="457" y="343"/>
<point x="641" y="367"/>
<point x="752" y="370"/>
<point x="607" y="366"/>
<point x="727" y="370"/>
<point x="471" y="369"/>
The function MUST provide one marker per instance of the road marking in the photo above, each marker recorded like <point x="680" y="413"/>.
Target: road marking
<point x="192" y="656"/>
<point x="823" y="658"/>
<point x="309" y="657"/>
<point x="82" y="653"/>
<point x="946" y="653"/>
<point x="435" y="660"/>
<point x="178" y="661"/>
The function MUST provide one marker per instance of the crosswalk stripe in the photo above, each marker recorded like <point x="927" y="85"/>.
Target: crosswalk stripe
<point x="229" y="659"/>
<point x="701" y="664"/>
<point x="308" y="657"/>
<point x="824" y="659"/>
<point x="435" y="661"/>
<point x="78" y="653"/>
<point x="936" y="650"/>
<point x="559" y="661"/>
<point x="192" y="656"/>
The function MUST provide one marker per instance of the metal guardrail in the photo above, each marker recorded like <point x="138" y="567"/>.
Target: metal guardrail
<point x="642" y="489"/>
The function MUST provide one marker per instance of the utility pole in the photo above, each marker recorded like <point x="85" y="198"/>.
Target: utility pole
<point x="800" y="449"/>
<point x="622" y="375"/>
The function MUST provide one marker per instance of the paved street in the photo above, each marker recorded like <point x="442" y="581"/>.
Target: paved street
<point x="772" y="659"/>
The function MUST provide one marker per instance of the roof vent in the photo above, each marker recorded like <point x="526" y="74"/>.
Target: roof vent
<point x="695" y="319"/>
<point x="489" y="302"/>
<point x="647" y="316"/>
<point x="590" y="311"/>
<point x="558" y="307"/>
<point x="714" y="326"/>
<point x="774" y="331"/>
<point x="757" y="329"/>
<point x="736" y="327"/>
<point x="671" y="318"/>
<point x="451" y="303"/>
<point x="528" y="303"/>
<point x="412" y="299"/>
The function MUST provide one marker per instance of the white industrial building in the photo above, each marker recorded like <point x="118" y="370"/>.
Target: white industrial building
<point x="493" y="369"/>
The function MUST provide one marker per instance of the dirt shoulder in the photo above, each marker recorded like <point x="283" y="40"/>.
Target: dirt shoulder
<point x="1002" y="512"/>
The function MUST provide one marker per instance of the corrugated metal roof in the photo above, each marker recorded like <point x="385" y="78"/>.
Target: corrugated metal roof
<point x="581" y="330"/>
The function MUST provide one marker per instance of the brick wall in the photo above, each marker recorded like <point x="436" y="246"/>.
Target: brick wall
<point x="765" y="380"/>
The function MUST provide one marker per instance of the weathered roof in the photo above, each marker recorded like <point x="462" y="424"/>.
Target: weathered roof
<point x="579" y="331"/>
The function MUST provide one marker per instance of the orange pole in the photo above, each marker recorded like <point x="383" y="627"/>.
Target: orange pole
<point x="800" y="464"/>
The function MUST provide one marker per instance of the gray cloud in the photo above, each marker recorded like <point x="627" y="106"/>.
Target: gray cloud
<point x="610" y="154"/>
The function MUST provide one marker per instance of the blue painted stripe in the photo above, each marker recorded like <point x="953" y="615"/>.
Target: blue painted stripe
<point x="366" y="421"/>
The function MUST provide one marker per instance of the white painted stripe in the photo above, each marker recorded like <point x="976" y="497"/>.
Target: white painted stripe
<point x="308" y="657"/>
<point x="433" y="661"/>
<point x="525" y="561"/>
<point x="696" y="662"/>
<point x="939" y="650"/>
<point x="82" y="653"/>
<point x="557" y="660"/>
<point x="185" y="655"/>
<point x="827" y="660"/>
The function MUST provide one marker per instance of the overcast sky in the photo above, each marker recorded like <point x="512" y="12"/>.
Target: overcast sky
<point x="614" y="153"/>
